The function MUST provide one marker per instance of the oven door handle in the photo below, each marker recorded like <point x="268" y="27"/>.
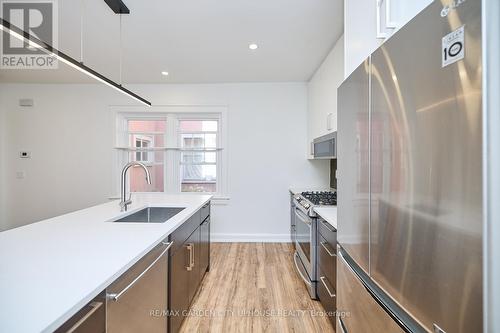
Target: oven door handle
<point x="302" y="217"/>
<point x="295" y="258"/>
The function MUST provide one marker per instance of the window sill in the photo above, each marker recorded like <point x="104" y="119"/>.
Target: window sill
<point x="217" y="200"/>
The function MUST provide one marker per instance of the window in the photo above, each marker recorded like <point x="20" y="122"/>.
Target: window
<point x="183" y="151"/>
<point x="143" y="155"/>
<point x="145" y="136"/>
<point x="198" y="172"/>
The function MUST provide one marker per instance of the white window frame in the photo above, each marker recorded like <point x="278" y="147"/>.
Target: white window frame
<point x="149" y="154"/>
<point x="218" y="152"/>
<point x="172" y="115"/>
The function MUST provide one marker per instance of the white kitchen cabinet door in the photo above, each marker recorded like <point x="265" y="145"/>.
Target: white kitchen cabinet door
<point x="368" y="23"/>
<point x="399" y="12"/>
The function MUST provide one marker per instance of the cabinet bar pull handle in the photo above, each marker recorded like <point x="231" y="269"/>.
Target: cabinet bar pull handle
<point x="322" y="278"/>
<point x="94" y="307"/>
<point x="189" y="247"/>
<point x="330" y="253"/>
<point x="327" y="225"/>
<point x="192" y="257"/>
<point x="116" y="296"/>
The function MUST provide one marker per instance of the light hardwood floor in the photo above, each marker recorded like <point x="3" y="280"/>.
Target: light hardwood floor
<point x="248" y="285"/>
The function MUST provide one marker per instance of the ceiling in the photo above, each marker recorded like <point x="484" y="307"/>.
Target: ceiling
<point x="195" y="41"/>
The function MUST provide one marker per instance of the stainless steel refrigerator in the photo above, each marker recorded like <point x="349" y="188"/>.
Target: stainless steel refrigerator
<point x="410" y="179"/>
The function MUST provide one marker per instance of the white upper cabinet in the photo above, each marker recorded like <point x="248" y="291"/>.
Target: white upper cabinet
<point x="399" y="12"/>
<point x="369" y="22"/>
<point x="322" y="95"/>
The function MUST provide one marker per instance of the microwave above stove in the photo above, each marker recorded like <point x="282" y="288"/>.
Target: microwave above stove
<point x="325" y="147"/>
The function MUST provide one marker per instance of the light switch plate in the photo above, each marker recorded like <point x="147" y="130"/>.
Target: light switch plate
<point x="329" y="122"/>
<point x="26" y="102"/>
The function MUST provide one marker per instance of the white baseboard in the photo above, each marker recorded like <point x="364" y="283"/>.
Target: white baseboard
<point x="250" y="238"/>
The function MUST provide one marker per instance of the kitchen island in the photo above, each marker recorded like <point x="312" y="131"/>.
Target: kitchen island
<point x="50" y="269"/>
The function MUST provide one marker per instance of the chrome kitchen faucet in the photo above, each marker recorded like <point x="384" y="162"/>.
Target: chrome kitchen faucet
<point x="124" y="202"/>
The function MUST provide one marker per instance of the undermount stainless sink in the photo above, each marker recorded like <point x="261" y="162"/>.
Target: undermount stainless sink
<point x="151" y="215"/>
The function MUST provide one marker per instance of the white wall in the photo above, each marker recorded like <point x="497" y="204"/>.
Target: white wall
<point x="69" y="133"/>
<point x="322" y="93"/>
<point x="360" y="32"/>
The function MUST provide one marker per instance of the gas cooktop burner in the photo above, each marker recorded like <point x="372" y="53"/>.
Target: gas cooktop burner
<point x="319" y="198"/>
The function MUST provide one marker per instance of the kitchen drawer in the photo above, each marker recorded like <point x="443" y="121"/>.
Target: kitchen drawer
<point x="183" y="232"/>
<point x="327" y="295"/>
<point x="328" y="232"/>
<point x="327" y="259"/>
<point x="205" y="211"/>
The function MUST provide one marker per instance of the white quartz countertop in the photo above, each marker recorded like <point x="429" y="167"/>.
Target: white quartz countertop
<point x="328" y="213"/>
<point x="51" y="269"/>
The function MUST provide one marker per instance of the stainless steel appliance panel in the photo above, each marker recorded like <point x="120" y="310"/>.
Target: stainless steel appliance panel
<point x="353" y="166"/>
<point x="305" y="249"/>
<point x="325" y="147"/>
<point x="359" y="311"/>
<point x="426" y="175"/>
<point x="303" y="236"/>
<point x="90" y="319"/>
<point x="137" y="301"/>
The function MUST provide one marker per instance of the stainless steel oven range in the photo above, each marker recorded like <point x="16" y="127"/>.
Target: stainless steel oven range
<point x="304" y="233"/>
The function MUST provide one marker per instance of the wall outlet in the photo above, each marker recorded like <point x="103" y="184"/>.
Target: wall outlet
<point x="24" y="154"/>
<point x="20" y="174"/>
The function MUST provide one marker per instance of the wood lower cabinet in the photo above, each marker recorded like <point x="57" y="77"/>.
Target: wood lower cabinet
<point x="204" y="247"/>
<point x="194" y="263"/>
<point x="188" y="266"/>
<point x="178" y="287"/>
<point x="327" y="268"/>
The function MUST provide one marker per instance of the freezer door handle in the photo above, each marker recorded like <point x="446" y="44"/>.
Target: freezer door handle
<point x="341" y="325"/>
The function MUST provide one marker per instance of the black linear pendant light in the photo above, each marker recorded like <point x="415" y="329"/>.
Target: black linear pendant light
<point x="35" y="42"/>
